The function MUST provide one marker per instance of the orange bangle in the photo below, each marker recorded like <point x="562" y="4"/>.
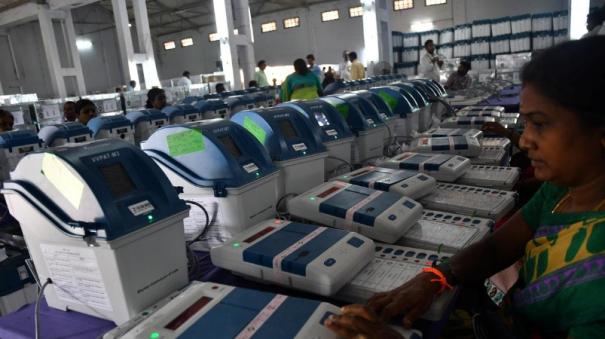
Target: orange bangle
<point x="441" y="279"/>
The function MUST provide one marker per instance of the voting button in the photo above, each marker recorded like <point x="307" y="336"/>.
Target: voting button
<point x="329" y="262"/>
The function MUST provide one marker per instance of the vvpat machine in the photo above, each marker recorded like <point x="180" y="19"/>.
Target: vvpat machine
<point x="104" y="224"/>
<point x="212" y="108"/>
<point x="181" y="113"/>
<point x="424" y="112"/>
<point x="146" y="122"/>
<point x="13" y="146"/>
<point x="369" y="134"/>
<point x="401" y="106"/>
<point x="221" y="166"/>
<point x="307" y="257"/>
<point x="333" y="129"/>
<point x="443" y="167"/>
<point x="384" y="112"/>
<point x="383" y="216"/>
<point x="292" y="144"/>
<point x="239" y="103"/>
<point x="408" y="183"/>
<point x="65" y="133"/>
<point x="112" y="127"/>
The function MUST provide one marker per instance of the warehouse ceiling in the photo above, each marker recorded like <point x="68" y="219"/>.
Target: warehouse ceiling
<point x="8" y="4"/>
<point x="170" y="16"/>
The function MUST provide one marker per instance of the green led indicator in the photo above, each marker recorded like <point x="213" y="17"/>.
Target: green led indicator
<point x="154" y="335"/>
<point x="335" y="137"/>
<point x="150" y="217"/>
<point x="236" y="244"/>
<point x="312" y="198"/>
<point x="304" y="152"/>
<point x="257" y="174"/>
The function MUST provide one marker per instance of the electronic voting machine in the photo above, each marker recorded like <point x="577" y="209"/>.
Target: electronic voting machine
<point x="446" y="232"/>
<point x="391" y="267"/>
<point x="238" y="103"/>
<point x="443" y="167"/>
<point x="221" y="166"/>
<point x="65" y="133"/>
<point x="369" y="135"/>
<point x="470" y="200"/>
<point x="481" y="111"/>
<point x="496" y="142"/>
<point x="499" y="177"/>
<point x="383" y="216"/>
<point x="407" y="183"/>
<point x="467" y="122"/>
<point x="292" y="143"/>
<point x="424" y="107"/>
<point x="307" y="257"/>
<point x="478" y="108"/>
<point x="13" y="146"/>
<point x="460" y="145"/>
<point x="491" y="155"/>
<point x="89" y="212"/>
<point x="333" y="129"/>
<point x="453" y="132"/>
<point x="179" y="114"/>
<point x="215" y="311"/>
<point x="146" y="122"/>
<point x="400" y="106"/>
<point x="384" y="112"/>
<point x="112" y="127"/>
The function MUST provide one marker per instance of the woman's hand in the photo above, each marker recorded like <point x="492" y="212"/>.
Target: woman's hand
<point x="412" y="299"/>
<point x="357" y="321"/>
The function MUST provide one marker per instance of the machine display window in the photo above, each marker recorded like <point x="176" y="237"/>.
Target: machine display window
<point x="287" y="129"/>
<point x="188" y="313"/>
<point x="26" y="149"/>
<point x="80" y="139"/>
<point x="321" y="118"/>
<point x="119" y="182"/>
<point x="328" y="191"/>
<point x="230" y="145"/>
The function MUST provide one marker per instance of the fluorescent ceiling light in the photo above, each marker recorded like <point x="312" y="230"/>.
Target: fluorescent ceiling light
<point x="83" y="44"/>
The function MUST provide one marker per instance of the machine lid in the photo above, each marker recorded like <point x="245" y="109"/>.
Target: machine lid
<point x="107" y="123"/>
<point x="365" y="106"/>
<point x="108" y="187"/>
<point x="239" y="100"/>
<point x="173" y="111"/>
<point x="350" y="113"/>
<point x="285" y="133"/>
<point x="65" y="130"/>
<point x="16" y="138"/>
<point x="155" y="114"/>
<point x="208" y="105"/>
<point x="329" y="124"/>
<point x="409" y="88"/>
<point x="210" y="153"/>
<point x="396" y="100"/>
<point x="384" y="110"/>
<point x="136" y="117"/>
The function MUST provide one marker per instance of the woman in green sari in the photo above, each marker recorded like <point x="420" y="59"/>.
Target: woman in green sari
<point x="559" y="234"/>
<point x="300" y="85"/>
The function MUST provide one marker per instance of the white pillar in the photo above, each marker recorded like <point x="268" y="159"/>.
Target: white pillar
<point x="129" y="66"/>
<point x="56" y="70"/>
<point x="378" y="43"/>
<point x="230" y="44"/>
<point x="145" y="45"/>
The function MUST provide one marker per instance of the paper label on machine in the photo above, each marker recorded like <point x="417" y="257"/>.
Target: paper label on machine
<point x="251" y="167"/>
<point x="142" y="207"/>
<point x="110" y="106"/>
<point x="331" y="132"/>
<point x="50" y="111"/>
<point x="76" y="275"/>
<point x="299" y="147"/>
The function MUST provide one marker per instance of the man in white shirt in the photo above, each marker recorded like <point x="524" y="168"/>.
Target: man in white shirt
<point x="430" y="63"/>
<point x="594" y="23"/>
<point x="260" y="76"/>
<point x="185" y="80"/>
<point x="345" y="67"/>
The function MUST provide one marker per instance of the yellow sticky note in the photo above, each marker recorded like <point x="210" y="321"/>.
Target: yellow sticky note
<point x="63" y="178"/>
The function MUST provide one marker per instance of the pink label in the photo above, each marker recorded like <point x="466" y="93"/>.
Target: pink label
<point x="351" y="211"/>
<point x="283" y="254"/>
<point x="261" y="317"/>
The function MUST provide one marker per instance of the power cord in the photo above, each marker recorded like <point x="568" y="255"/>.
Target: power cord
<point x="192" y="259"/>
<point x="281" y="215"/>
<point x="37" y="307"/>
<point x="341" y="160"/>
<point x="205" y="231"/>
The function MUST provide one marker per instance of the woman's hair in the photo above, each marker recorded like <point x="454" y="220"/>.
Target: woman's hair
<point x="151" y="95"/>
<point x="572" y="75"/>
<point x="83" y="103"/>
<point x="300" y="66"/>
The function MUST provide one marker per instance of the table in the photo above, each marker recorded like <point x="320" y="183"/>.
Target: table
<point x="508" y="97"/>
<point x="56" y="324"/>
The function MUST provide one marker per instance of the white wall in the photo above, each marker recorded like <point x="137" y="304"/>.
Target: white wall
<point x="30" y="58"/>
<point x="326" y="40"/>
<point x="197" y="59"/>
